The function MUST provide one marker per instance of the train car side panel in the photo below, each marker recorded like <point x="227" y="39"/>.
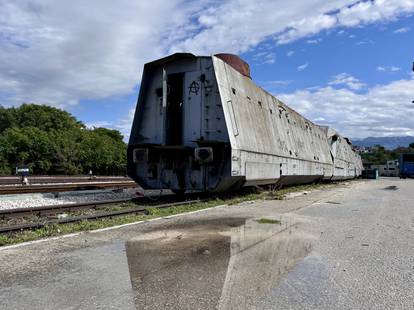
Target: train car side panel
<point x="267" y="135"/>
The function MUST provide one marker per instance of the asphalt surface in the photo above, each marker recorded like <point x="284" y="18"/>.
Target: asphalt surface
<point x="364" y="257"/>
<point x="347" y="247"/>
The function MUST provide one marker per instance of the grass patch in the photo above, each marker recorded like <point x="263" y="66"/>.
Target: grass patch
<point x="268" y="221"/>
<point x="282" y="192"/>
<point x="62" y="229"/>
<point x="153" y="212"/>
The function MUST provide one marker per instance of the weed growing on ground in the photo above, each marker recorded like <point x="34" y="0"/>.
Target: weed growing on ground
<point x="268" y="221"/>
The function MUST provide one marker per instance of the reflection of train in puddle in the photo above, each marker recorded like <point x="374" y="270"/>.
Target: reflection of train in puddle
<point x="203" y="268"/>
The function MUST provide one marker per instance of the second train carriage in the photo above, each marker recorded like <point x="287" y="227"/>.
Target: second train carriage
<point x="202" y="124"/>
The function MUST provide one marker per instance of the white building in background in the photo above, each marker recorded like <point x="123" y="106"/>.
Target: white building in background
<point x="390" y="169"/>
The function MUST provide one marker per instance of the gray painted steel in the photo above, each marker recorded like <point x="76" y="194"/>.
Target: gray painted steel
<point x="201" y="125"/>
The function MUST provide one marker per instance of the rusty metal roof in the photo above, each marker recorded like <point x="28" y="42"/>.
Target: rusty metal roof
<point x="236" y="62"/>
<point x="233" y="60"/>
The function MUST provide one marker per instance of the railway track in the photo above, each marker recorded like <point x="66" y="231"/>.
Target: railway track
<point x="16" y="180"/>
<point x="64" y="187"/>
<point x="56" y="209"/>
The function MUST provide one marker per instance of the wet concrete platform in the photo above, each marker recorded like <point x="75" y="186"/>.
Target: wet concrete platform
<point x="345" y="247"/>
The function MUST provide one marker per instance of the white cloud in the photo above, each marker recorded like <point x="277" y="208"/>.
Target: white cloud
<point x="96" y="124"/>
<point x="290" y="53"/>
<point x="402" y="30"/>
<point x="265" y="57"/>
<point x="279" y="82"/>
<point x="380" y="111"/>
<point x="363" y="42"/>
<point x="60" y="52"/>
<point x="237" y="25"/>
<point x="124" y="124"/>
<point x="347" y="80"/>
<point x="275" y="84"/>
<point x="388" y="69"/>
<point x="303" y="67"/>
<point x="269" y="61"/>
<point x="364" y="12"/>
<point x="314" y="41"/>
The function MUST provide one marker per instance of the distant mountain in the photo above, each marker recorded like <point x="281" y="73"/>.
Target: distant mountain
<point x="387" y="142"/>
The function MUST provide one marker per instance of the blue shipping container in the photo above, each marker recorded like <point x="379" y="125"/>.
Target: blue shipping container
<point x="406" y="166"/>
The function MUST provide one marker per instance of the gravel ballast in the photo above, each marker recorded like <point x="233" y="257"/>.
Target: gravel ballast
<point x="36" y="200"/>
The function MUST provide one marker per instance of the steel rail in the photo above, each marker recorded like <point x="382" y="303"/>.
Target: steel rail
<point x="75" y="219"/>
<point x="53" y="209"/>
<point x="49" y="188"/>
<point x="15" y="180"/>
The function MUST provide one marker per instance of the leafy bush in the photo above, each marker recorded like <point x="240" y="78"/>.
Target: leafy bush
<point x="379" y="155"/>
<point x="52" y="141"/>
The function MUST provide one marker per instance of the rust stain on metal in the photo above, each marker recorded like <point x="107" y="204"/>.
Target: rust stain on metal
<point x="236" y="62"/>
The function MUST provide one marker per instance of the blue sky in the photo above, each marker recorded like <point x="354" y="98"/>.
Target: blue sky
<point x="341" y="63"/>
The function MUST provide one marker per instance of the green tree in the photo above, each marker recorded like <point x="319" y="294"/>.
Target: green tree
<point x="379" y="155"/>
<point x="7" y="119"/>
<point x="52" y="141"/>
<point x="113" y="134"/>
<point x="27" y="145"/>
<point x="45" y="118"/>
<point x="65" y="158"/>
<point x="102" y="153"/>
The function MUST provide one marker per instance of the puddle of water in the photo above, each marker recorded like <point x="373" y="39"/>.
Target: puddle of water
<point x="214" y="265"/>
<point x="306" y="284"/>
<point x="260" y="256"/>
<point x="181" y="273"/>
<point x="391" y="188"/>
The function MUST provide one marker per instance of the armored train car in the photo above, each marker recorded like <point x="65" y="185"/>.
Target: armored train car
<point x="202" y="124"/>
